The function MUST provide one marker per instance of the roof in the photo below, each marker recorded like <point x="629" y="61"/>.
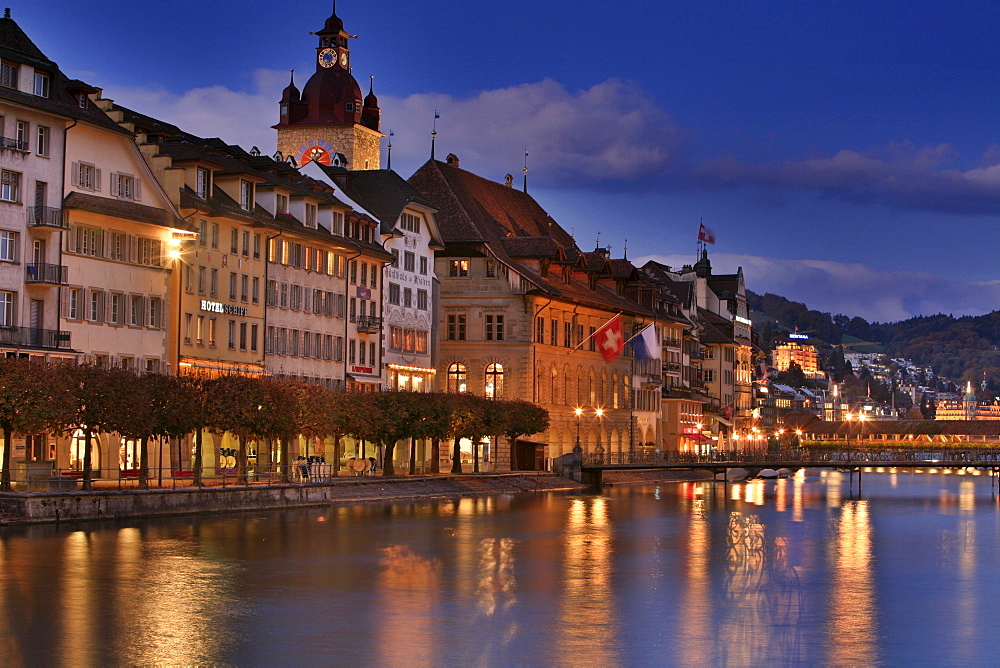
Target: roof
<point x="473" y="212"/>
<point x="124" y="209"/>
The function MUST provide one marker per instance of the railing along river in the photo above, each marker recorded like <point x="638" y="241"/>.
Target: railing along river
<point x="878" y="457"/>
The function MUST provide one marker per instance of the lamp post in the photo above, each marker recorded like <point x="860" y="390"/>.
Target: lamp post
<point x="849" y="417"/>
<point x="599" y="414"/>
<point x="579" y="413"/>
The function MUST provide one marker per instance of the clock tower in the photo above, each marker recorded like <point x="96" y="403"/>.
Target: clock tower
<point x="328" y="121"/>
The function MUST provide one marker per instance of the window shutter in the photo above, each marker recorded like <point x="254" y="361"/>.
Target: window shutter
<point x="97" y="179"/>
<point x="74" y="174"/>
<point x="65" y="304"/>
<point x="114" y="184"/>
<point x="137" y="189"/>
<point x="131" y="246"/>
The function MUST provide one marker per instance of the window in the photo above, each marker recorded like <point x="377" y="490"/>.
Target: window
<point x="10" y="186"/>
<point x="41" y="84"/>
<point x="155" y="313"/>
<point x="494" y="328"/>
<point x="456" y="327"/>
<point x="42" y="141"/>
<point x="311" y="210"/>
<point x="244" y="288"/>
<point x="201" y="280"/>
<point x="354" y="271"/>
<point x="8" y="246"/>
<point x="86" y="176"/>
<point x="491" y="269"/>
<point x="211" y="331"/>
<point x="352" y="356"/>
<point x="364" y="273"/>
<point x="395" y="257"/>
<point x="421" y="342"/>
<point x="253" y="337"/>
<point x="203" y="233"/>
<point x="232" y="286"/>
<point x="708" y="375"/>
<point x="202" y="184"/>
<point x="117" y="308"/>
<point x="410" y="222"/>
<point x="407" y="297"/>
<point x="215" y="236"/>
<point x="554" y="332"/>
<point x="423" y="265"/>
<point x="256" y="290"/>
<point x="73" y="299"/>
<point x="457" y="377"/>
<point x="232" y="335"/>
<point x="136" y="310"/>
<point x="246" y="195"/>
<point x="458" y="268"/>
<point x="119" y="246"/>
<point x="125" y="186"/>
<point x="246" y="243"/>
<point x="96" y="306"/>
<point x="147" y="252"/>
<point x="243" y="336"/>
<point x="567" y="335"/>
<point x="295" y="298"/>
<point x="408" y="261"/>
<point x="422" y="300"/>
<point x="540" y="330"/>
<point x="88" y="241"/>
<point x="256" y="246"/>
<point x="281" y="203"/>
<point x="21" y="135"/>
<point x="213" y="284"/>
<point x="8" y="74"/>
<point x="187" y="327"/>
<point x="592" y="340"/>
<point x="494" y="381"/>
<point x="234" y="240"/>
<point x="338" y="223"/>
<point x="393" y="293"/>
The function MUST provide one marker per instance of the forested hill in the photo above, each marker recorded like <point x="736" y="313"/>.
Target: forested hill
<point x="957" y="348"/>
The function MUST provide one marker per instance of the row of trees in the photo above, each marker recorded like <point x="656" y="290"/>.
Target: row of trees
<point x="41" y="398"/>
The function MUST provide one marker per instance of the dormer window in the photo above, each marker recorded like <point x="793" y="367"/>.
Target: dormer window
<point x="311" y="210"/>
<point x="246" y="195"/>
<point x="284" y="110"/>
<point x="349" y="107"/>
<point x="41" y="84"/>
<point x="8" y="74"/>
<point x="281" y="203"/>
<point x="81" y="100"/>
<point x="204" y="181"/>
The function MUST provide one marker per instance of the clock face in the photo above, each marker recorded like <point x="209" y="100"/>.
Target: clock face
<point x="327" y="57"/>
<point x="315" y="150"/>
<point x="343" y="59"/>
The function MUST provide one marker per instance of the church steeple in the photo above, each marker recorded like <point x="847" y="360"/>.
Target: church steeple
<point x="329" y="116"/>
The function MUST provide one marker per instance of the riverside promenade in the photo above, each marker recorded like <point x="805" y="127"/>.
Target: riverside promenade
<point x="111" y="503"/>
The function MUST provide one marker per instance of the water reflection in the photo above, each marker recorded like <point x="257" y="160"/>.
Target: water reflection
<point x="790" y="572"/>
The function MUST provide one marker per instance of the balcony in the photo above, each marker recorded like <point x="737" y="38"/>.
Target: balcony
<point x="671" y="366"/>
<point x="33" y="337"/>
<point x="14" y="144"/>
<point x="50" y="274"/>
<point x="46" y="216"/>
<point x="368" y="324"/>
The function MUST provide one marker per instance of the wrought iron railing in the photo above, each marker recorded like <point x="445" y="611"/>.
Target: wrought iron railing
<point x="13" y="144"/>
<point x="33" y="337"/>
<point x="367" y="323"/>
<point x="46" y="216"/>
<point x="874" y="457"/>
<point x="46" y="273"/>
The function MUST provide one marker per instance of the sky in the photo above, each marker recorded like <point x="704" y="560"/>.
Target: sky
<point x="845" y="154"/>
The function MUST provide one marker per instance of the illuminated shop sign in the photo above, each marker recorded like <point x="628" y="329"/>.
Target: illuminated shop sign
<point x="227" y="309"/>
<point x="798" y="336"/>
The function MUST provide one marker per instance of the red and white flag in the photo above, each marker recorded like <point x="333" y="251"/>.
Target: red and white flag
<point x="705" y="234"/>
<point x="610" y="342"/>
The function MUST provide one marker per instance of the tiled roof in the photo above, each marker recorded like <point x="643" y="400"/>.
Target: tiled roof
<point x="535" y="247"/>
<point x="384" y="193"/>
<point x="124" y="209"/>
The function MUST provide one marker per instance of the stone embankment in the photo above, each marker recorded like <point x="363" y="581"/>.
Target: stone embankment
<point x="31" y="508"/>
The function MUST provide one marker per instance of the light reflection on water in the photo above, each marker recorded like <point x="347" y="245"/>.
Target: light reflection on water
<point x="793" y="571"/>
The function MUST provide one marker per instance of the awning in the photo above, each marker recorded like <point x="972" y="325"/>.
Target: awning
<point x="723" y="420"/>
<point x="362" y="378"/>
<point x="697" y="438"/>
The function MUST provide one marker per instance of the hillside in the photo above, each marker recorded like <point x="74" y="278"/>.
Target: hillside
<point x="961" y="349"/>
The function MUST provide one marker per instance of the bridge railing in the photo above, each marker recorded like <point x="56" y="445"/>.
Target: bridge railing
<point x="971" y="456"/>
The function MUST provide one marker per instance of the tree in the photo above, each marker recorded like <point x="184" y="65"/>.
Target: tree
<point x="435" y="423"/>
<point x="235" y="404"/>
<point x="103" y="397"/>
<point x="466" y="422"/>
<point x="395" y="414"/>
<point x="176" y="409"/>
<point x="523" y="418"/>
<point x="34" y="397"/>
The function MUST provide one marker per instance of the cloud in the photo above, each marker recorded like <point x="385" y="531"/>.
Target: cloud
<point x="609" y="132"/>
<point x="853" y="289"/>
<point x="237" y="117"/>
<point x="900" y="174"/>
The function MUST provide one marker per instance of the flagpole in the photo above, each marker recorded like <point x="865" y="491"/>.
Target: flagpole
<point x="577" y="346"/>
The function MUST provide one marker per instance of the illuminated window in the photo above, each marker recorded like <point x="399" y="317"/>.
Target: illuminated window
<point x="494" y="381"/>
<point x="457" y="377"/>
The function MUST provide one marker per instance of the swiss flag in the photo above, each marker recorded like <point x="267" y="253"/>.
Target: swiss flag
<point x="728" y="410"/>
<point x="610" y="341"/>
<point x="705" y="234"/>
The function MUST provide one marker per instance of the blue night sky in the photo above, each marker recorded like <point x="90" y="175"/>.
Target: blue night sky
<point x="845" y="154"/>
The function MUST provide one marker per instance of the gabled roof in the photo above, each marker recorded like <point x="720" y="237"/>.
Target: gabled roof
<point x="123" y="209"/>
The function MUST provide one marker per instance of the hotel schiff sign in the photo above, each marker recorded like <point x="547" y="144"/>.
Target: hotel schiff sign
<point x="227" y="309"/>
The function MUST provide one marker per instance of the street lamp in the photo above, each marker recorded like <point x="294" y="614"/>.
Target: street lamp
<point x="599" y="414"/>
<point x="579" y="413"/>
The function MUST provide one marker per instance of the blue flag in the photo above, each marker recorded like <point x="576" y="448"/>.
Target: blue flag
<point x="645" y="346"/>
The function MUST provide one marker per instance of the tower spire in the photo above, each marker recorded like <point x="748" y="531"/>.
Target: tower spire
<point x="434" y="132"/>
<point x="525" y="170"/>
<point x="388" y="157"/>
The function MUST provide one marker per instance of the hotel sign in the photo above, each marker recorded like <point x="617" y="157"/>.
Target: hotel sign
<point x="362" y="369"/>
<point x="227" y="309"/>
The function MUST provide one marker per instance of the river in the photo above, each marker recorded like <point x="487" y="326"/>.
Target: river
<point x="796" y="571"/>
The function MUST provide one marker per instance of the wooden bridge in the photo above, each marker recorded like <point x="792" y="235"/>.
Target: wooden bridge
<point x="592" y="464"/>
